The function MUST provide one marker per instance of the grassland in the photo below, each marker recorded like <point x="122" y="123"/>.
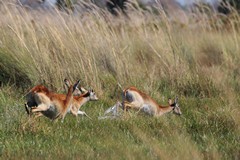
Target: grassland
<point x="199" y="63"/>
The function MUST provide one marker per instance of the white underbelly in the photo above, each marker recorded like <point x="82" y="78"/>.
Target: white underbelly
<point x="146" y="108"/>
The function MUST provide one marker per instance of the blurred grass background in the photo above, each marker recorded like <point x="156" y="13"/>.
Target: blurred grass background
<point x="199" y="63"/>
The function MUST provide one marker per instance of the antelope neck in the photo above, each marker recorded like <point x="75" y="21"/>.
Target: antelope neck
<point x="166" y="108"/>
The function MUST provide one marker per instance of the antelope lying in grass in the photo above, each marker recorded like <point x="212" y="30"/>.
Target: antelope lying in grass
<point x="50" y="104"/>
<point x="135" y="99"/>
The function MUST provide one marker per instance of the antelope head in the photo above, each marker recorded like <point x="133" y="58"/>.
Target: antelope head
<point x="92" y="95"/>
<point x="175" y="105"/>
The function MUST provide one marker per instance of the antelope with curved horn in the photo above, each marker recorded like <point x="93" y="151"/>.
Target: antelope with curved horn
<point x="136" y="99"/>
<point x="77" y="101"/>
<point x="80" y="100"/>
<point x="50" y="104"/>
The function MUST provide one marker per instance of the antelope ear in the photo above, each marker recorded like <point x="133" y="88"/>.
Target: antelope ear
<point x="90" y="89"/>
<point x="170" y="101"/>
<point x="66" y="81"/>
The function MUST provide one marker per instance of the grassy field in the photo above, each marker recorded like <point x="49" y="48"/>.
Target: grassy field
<point x="198" y="63"/>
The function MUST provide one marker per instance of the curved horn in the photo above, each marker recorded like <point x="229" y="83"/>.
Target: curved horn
<point x="75" y="86"/>
<point x="176" y="99"/>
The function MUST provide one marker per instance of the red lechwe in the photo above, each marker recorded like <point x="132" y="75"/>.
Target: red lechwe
<point x="50" y="104"/>
<point x="136" y="99"/>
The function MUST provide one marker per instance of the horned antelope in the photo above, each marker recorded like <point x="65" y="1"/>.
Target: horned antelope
<point x="30" y="95"/>
<point x="39" y="88"/>
<point x="77" y="102"/>
<point x="136" y="99"/>
<point x="50" y="104"/>
<point x="80" y="100"/>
